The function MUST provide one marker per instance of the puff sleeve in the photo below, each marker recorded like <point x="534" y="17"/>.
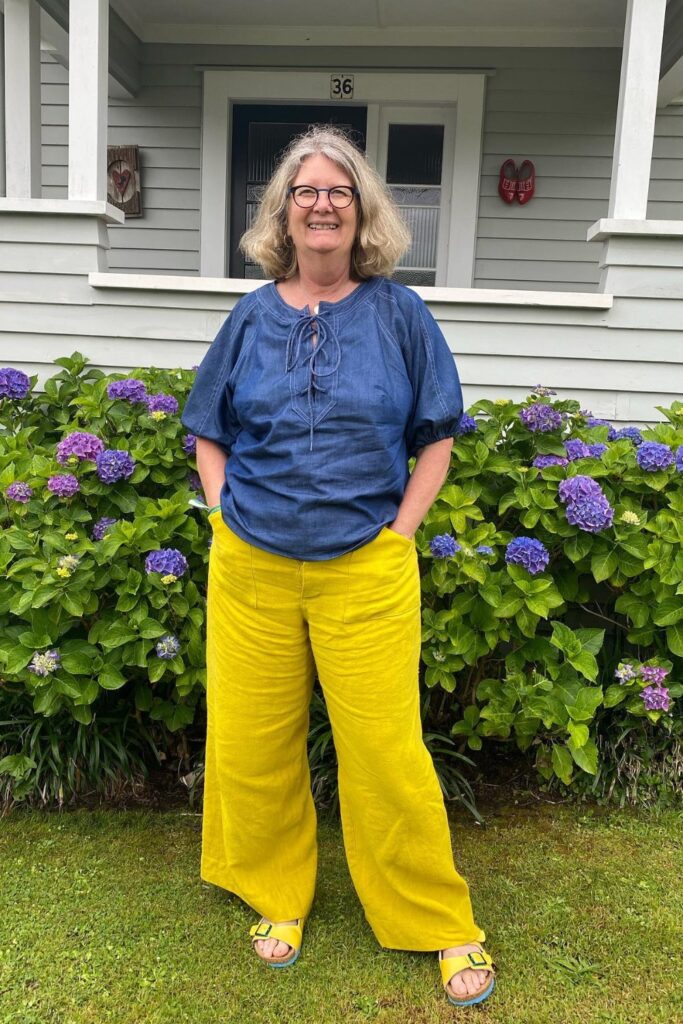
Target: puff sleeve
<point x="209" y="411"/>
<point x="437" y="403"/>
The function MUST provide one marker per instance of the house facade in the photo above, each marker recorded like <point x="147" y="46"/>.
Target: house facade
<point x="580" y="289"/>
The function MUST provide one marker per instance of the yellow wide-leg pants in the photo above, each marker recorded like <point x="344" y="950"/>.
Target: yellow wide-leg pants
<point x="357" y="618"/>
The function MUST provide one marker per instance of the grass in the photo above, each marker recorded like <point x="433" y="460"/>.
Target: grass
<point x="104" y="919"/>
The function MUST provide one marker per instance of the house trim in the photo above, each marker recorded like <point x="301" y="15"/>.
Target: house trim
<point x="463" y="92"/>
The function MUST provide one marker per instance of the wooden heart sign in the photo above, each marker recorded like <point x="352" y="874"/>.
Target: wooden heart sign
<point x="121" y="180"/>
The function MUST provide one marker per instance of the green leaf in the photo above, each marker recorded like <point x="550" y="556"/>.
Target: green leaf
<point x="110" y="678"/>
<point x="510" y="604"/>
<point x="564" y="639"/>
<point x="614" y="695"/>
<point x="668" y="612"/>
<point x="603" y="564"/>
<point x="576" y="548"/>
<point x="82" y="713"/>
<point x="150" y="629"/>
<point x="586" y="756"/>
<point x="586" y="664"/>
<point x="562" y="764"/>
<point x="579" y="733"/>
<point x="674" y="639"/>
<point x="77" y="663"/>
<point x="115" y="635"/>
<point x="156" y="669"/>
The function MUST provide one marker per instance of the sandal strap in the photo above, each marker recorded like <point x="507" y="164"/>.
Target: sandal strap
<point x="477" y="961"/>
<point x="292" y="934"/>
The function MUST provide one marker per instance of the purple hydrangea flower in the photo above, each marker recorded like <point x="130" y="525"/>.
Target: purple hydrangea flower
<point x="576" y="488"/>
<point x="590" y="514"/>
<point x="595" y="421"/>
<point x="625" y="673"/>
<point x="528" y="552"/>
<point x="63" y="484"/>
<point x="190" y="444"/>
<point x="540" y="417"/>
<point x="82" y="446"/>
<point x="652" y="456"/>
<point x="576" y="449"/>
<point x="678" y="458"/>
<point x="131" y="390"/>
<point x="467" y="424"/>
<point x="596" y="450"/>
<point x="167" y="647"/>
<point x="19" y="492"/>
<point x="656" y="698"/>
<point x="45" y="663"/>
<point x="162" y="403"/>
<point x="632" y="433"/>
<point x="542" y="461"/>
<point x="13" y="383"/>
<point x="484" y="549"/>
<point x="653" y="674"/>
<point x="443" y="546"/>
<point x="113" y="465"/>
<point x="168" y="561"/>
<point x="101" y="527"/>
<point x="194" y="480"/>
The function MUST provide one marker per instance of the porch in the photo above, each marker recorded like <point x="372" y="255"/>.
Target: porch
<point x="524" y="297"/>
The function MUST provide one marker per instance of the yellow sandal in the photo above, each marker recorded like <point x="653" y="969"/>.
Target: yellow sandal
<point x="478" y="961"/>
<point x="292" y="934"/>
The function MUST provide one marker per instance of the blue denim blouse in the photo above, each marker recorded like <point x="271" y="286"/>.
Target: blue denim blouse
<point x="318" y="437"/>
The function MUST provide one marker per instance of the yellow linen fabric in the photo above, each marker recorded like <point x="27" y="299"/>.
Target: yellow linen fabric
<point x="358" y="617"/>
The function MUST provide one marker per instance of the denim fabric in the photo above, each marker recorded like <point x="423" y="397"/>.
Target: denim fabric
<point x="319" y="437"/>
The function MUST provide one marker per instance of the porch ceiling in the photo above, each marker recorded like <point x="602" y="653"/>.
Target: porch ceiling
<point x="496" y="22"/>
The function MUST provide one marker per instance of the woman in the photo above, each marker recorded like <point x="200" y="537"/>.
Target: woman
<point x="313" y="396"/>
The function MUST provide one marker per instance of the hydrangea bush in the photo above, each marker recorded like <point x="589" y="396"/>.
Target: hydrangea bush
<point x="552" y="560"/>
<point x="104" y="560"/>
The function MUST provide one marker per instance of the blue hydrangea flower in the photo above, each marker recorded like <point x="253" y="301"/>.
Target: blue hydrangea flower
<point x="162" y="403"/>
<point x="443" y="546"/>
<point x="80" y="446"/>
<point x="542" y="461"/>
<point x="528" y="552"/>
<point x="167" y="647"/>
<point x="101" y="527"/>
<point x="19" y="491"/>
<point x="576" y="488"/>
<point x="576" y="449"/>
<point x="131" y="390"/>
<point x="625" y="672"/>
<point x="45" y="663"/>
<point x="190" y="444"/>
<point x="113" y="465"/>
<point x="467" y="424"/>
<point x="653" y="456"/>
<point x="590" y="514"/>
<point x="678" y="458"/>
<point x="484" y="549"/>
<point x="64" y="485"/>
<point x="539" y="417"/>
<point x="595" y="421"/>
<point x="632" y="433"/>
<point x="13" y="383"/>
<point x="596" y="450"/>
<point x="168" y="561"/>
<point x="194" y="480"/>
<point x="656" y="698"/>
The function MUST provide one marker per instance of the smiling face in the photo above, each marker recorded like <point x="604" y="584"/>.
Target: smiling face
<point x="322" y="229"/>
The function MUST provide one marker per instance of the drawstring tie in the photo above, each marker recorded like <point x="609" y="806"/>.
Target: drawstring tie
<point x="323" y="360"/>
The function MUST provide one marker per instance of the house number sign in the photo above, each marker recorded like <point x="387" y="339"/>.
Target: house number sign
<point x="341" y="87"/>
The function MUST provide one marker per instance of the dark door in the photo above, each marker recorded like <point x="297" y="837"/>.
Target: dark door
<point x="259" y="135"/>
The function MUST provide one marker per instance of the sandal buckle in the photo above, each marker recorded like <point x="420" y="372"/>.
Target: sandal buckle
<point x="477" y="963"/>
<point x="263" y="930"/>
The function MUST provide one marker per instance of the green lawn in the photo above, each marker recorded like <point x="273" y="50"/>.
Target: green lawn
<point x="104" y="919"/>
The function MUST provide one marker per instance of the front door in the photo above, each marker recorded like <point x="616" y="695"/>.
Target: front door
<point x="259" y="136"/>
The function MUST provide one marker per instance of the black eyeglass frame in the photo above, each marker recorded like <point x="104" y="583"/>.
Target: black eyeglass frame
<point x="292" y="190"/>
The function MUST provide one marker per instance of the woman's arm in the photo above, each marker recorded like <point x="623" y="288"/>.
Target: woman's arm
<point x="211" y="459"/>
<point x="425" y="482"/>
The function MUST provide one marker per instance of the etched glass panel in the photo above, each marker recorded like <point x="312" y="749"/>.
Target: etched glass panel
<point x="414" y="165"/>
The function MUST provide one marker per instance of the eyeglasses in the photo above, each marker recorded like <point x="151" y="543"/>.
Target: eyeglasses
<point x="307" y="196"/>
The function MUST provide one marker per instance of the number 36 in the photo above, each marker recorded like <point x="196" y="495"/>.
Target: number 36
<point x="341" y="87"/>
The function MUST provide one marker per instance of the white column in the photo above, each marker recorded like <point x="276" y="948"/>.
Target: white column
<point x="88" y="97"/>
<point x="22" y="98"/>
<point x="2" y="105"/>
<point x="637" y="107"/>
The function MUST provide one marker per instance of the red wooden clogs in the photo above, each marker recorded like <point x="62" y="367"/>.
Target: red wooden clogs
<point x="526" y="182"/>
<point x="507" y="181"/>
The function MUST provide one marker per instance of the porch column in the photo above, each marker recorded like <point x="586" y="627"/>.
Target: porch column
<point x="88" y="98"/>
<point x="2" y="104"/>
<point x="22" y="98"/>
<point x="637" y="107"/>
